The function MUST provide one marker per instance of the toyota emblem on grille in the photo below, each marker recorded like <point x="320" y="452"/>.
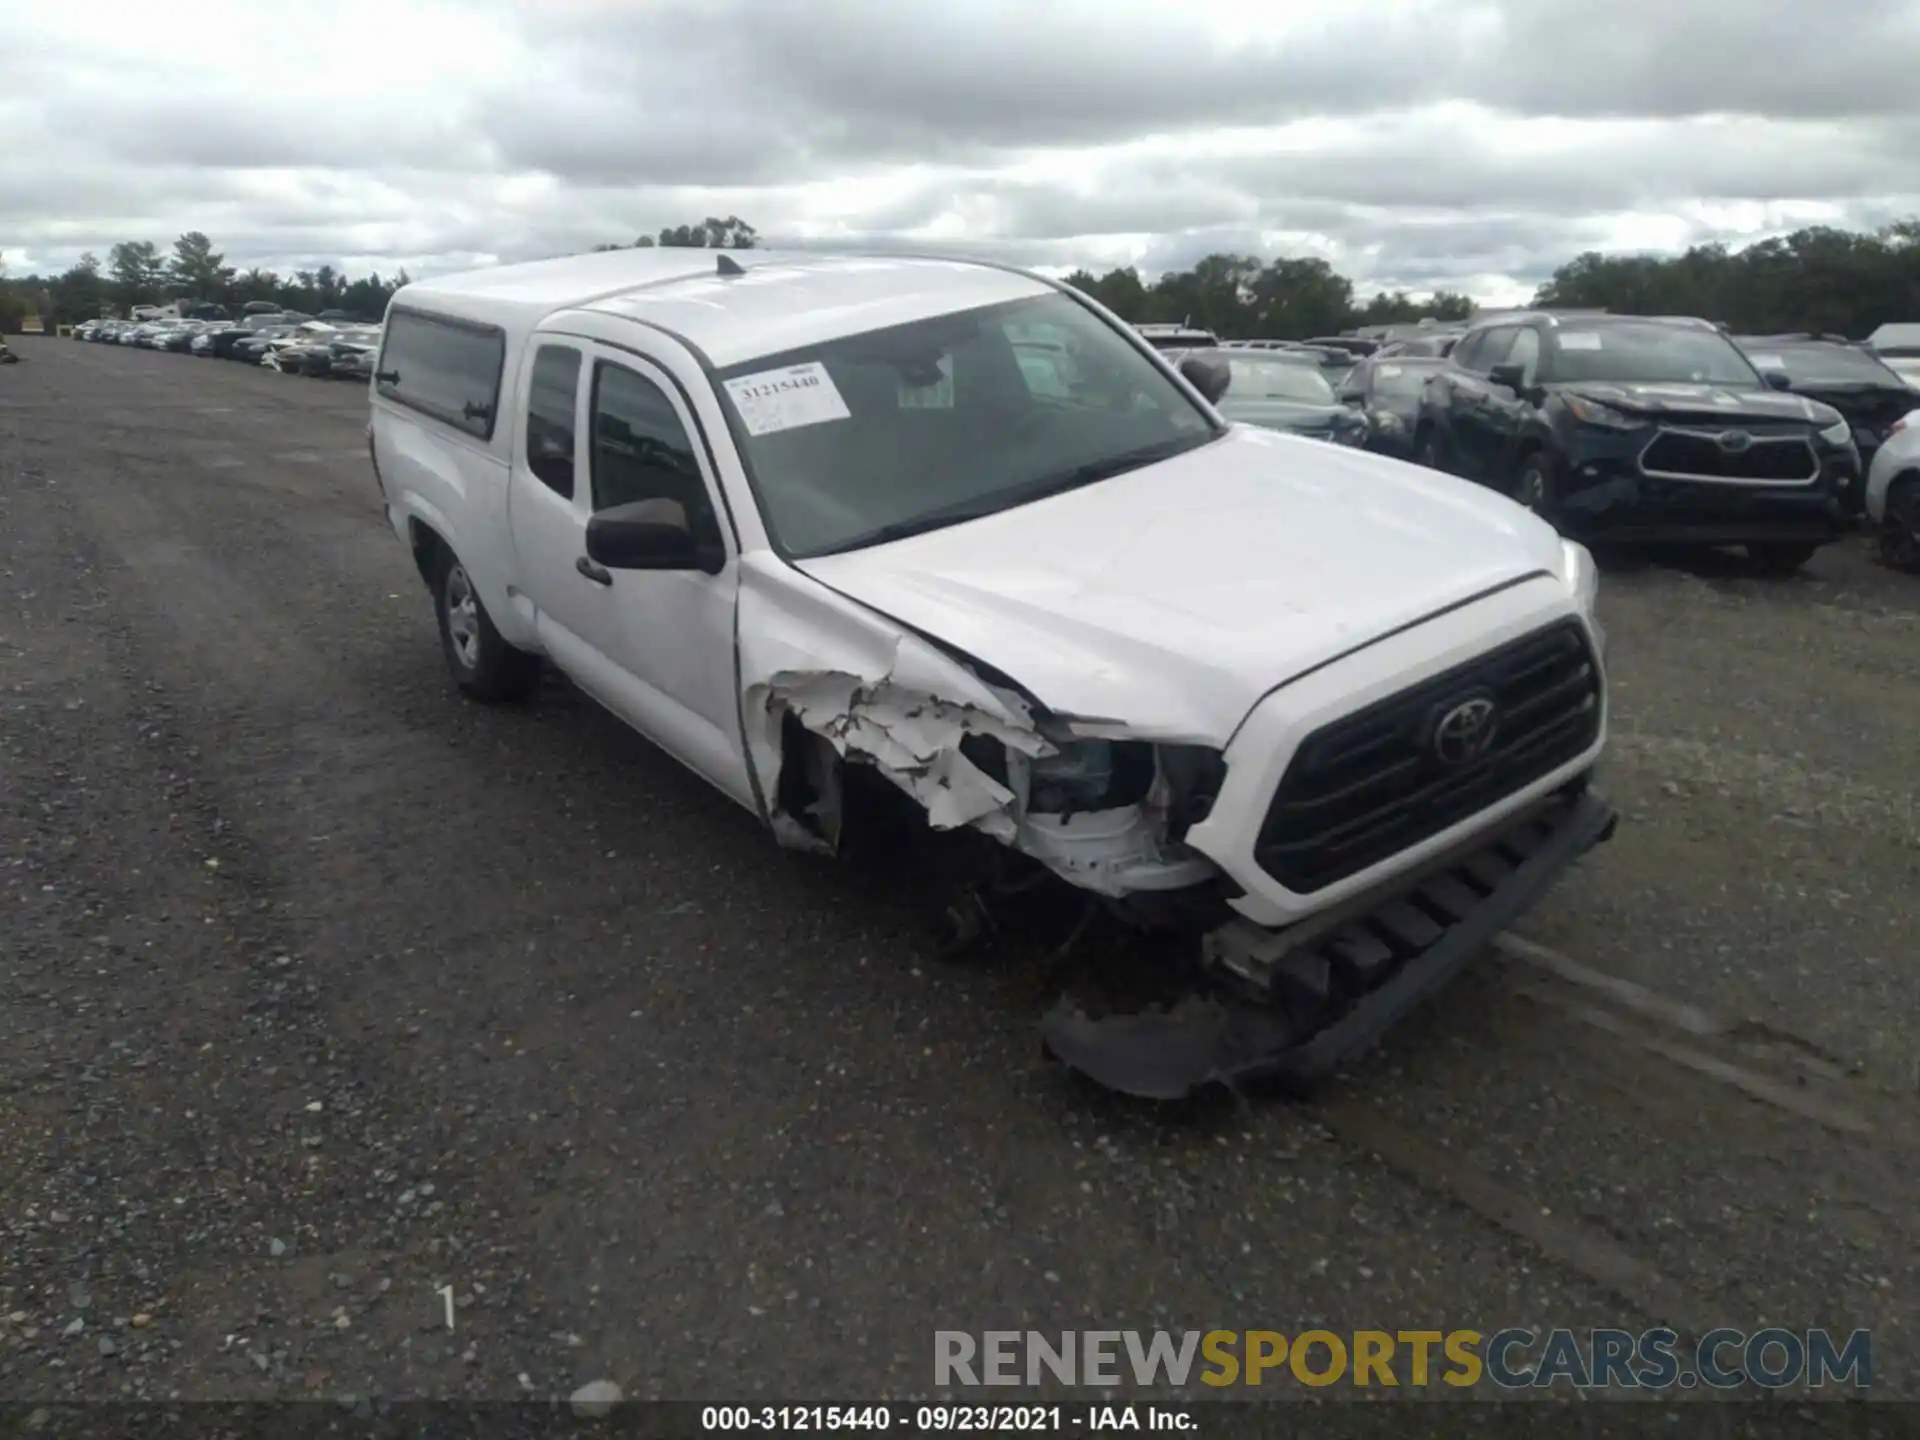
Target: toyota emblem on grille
<point x="1464" y="731"/>
<point x="1733" y="441"/>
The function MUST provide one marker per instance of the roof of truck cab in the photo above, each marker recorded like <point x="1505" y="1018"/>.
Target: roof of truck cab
<point x="782" y="301"/>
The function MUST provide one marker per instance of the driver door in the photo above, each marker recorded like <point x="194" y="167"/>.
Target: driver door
<point x="654" y="646"/>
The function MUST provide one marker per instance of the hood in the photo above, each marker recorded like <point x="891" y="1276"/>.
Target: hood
<point x="1173" y="597"/>
<point x="1862" y="403"/>
<point x="1707" y="404"/>
<point x="1291" y="415"/>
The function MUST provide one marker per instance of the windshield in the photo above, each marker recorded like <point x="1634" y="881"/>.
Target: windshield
<point x="916" y="426"/>
<point x="1649" y="354"/>
<point x="1399" y="382"/>
<point x="1818" y="364"/>
<point x="1263" y="378"/>
<point x="1905" y="366"/>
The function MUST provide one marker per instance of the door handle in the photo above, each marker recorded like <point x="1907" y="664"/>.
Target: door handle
<point x="599" y="574"/>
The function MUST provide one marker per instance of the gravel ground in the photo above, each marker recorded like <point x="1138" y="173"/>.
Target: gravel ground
<point x="324" y="990"/>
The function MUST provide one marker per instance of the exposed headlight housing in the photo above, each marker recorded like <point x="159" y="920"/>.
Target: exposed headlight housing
<point x="1592" y="412"/>
<point x="1837" y="435"/>
<point x="1390" y="423"/>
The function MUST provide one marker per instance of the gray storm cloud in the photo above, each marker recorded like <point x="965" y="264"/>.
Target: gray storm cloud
<point x="1413" y="143"/>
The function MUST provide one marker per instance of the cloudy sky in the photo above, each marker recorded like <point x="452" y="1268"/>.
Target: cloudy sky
<point x="1413" y="143"/>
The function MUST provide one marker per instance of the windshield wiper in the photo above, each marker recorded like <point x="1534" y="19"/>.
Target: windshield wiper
<point x="980" y="506"/>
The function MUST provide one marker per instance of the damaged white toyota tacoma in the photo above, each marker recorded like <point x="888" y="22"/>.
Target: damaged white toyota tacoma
<point x="954" y="534"/>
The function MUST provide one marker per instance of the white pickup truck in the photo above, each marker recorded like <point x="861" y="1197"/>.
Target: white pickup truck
<point x="802" y="520"/>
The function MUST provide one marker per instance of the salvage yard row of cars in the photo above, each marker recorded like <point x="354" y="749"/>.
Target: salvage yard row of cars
<point x="329" y="345"/>
<point x="1662" y="431"/>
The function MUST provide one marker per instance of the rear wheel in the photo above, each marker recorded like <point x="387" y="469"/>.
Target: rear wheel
<point x="484" y="666"/>
<point x="1779" y="558"/>
<point x="1900" y="525"/>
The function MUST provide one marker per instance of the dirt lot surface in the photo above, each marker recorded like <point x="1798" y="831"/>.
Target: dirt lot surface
<point x="323" y="989"/>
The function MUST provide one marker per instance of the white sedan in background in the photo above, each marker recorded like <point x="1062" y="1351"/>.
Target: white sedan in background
<point x="1893" y="494"/>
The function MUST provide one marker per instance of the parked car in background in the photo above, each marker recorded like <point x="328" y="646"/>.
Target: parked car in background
<point x="253" y="349"/>
<point x="246" y="328"/>
<point x="1177" y="337"/>
<point x="284" y="352"/>
<point x="1278" y="390"/>
<point x="181" y="336"/>
<point x="1386" y="393"/>
<point x="1898" y="346"/>
<point x="353" y="353"/>
<point x="1892" y="499"/>
<point x="1843" y="373"/>
<point x="1355" y="345"/>
<point x="1435" y="345"/>
<point x="1626" y="428"/>
<point x="202" y="344"/>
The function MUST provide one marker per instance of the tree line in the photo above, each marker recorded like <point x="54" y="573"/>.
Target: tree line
<point x="1820" y="279"/>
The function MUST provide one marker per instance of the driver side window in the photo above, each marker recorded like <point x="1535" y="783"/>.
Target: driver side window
<point x="641" y="451"/>
<point x="1492" y="349"/>
<point x="1525" y="353"/>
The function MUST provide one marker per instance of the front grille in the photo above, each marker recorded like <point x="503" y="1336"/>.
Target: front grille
<point x="1370" y="785"/>
<point x="1698" y="455"/>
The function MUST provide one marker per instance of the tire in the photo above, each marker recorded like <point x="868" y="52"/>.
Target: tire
<point x="1534" y="487"/>
<point x="484" y="666"/>
<point x="1900" y="525"/>
<point x="1780" y="558"/>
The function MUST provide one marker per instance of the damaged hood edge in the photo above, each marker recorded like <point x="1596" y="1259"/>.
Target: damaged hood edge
<point x="1168" y="601"/>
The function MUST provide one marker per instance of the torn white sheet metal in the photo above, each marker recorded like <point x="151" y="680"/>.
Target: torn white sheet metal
<point x="912" y="738"/>
<point x="885" y="697"/>
<point x="870" y="689"/>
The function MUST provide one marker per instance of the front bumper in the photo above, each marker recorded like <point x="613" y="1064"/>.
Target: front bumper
<point x="1290" y="1010"/>
<point x="1607" y="498"/>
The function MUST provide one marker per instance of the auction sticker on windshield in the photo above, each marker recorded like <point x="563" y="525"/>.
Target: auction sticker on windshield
<point x="786" y="399"/>
<point x="1579" y="340"/>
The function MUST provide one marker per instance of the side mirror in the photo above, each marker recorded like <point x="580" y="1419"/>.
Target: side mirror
<point x="1514" y="377"/>
<point x="1776" y="379"/>
<point x="1356" y="398"/>
<point x="1208" y="374"/>
<point x="650" y="535"/>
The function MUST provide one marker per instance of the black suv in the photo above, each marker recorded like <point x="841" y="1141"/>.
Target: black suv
<point x="1640" y="429"/>
<point x="1843" y="373"/>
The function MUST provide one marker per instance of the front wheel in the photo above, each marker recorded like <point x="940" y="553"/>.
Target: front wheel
<point x="1780" y="558"/>
<point x="1533" y="487"/>
<point x="1900" y="526"/>
<point x="484" y="666"/>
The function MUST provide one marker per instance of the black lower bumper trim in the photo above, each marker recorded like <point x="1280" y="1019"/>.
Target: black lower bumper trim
<point x="1217" y="1037"/>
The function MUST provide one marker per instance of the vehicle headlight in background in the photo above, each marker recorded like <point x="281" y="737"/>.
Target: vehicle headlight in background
<point x="1592" y="412"/>
<point x="1837" y="434"/>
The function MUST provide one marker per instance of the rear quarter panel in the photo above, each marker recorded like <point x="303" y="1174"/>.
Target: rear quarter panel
<point x="456" y="486"/>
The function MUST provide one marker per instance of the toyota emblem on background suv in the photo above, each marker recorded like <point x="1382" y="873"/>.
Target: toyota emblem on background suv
<point x="1464" y="730"/>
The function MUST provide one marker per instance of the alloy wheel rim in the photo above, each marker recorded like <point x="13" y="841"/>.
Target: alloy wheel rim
<point x="463" y="617"/>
